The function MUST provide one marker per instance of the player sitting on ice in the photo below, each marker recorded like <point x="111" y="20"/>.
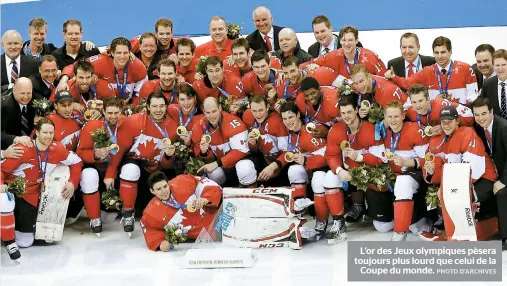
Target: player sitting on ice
<point x="187" y="200"/>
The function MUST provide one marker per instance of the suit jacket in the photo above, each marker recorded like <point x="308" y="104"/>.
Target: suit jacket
<point x="490" y="90"/>
<point x="479" y="75"/>
<point x="29" y="66"/>
<point x="499" y="139"/>
<point x="40" y="89"/>
<point x="11" y="119"/>
<point x="314" y="49"/>
<point x="256" y="40"/>
<point x="398" y="64"/>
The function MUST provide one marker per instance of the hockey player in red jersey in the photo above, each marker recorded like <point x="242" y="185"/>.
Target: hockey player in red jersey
<point x="220" y="45"/>
<point x="461" y="145"/>
<point x="185" y="66"/>
<point x="375" y="89"/>
<point x="124" y="76"/>
<point x="220" y="140"/>
<point x="351" y="142"/>
<point x="426" y="112"/>
<point x="145" y="145"/>
<point x="267" y="139"/>
<point x="453" y="80"/>
<point x="255" y="81"/>
<point x="218" y="82"/>
<point x="36" y="162"/>
<point x="319" y="105"/>
<point x="239" y="62"/>
<point x="166" y="83"/>
<point x="66" y="121"/>
<point x="185" y="200"/>
<point x="96" y="159"/>
<point x="406" y="146"/>
<point x="166" y="43"/>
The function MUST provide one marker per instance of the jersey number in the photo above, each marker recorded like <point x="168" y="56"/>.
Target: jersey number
<point x="93" y="58"/>
<point x="472" y="144"/>
<point x="315" y="141"/>
<point x="422" y="133"/>
<point x="235" y="123"/>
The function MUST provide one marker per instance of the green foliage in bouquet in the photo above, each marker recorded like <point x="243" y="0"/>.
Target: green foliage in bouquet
<point x="193" y="164"/>
<point x="100" y="138"/>
<point x="233" y="31"/>
<point x="42" y="107"/>
<point x="345" y="89"/>
<point x="17" y="187"/>
<point x="376" y="114"/>
<point x="201" y="65"/>
<point x="224" y="103"/>
<point x="111" y="200"/>
<point x="360" y="177"/>
<point x="181" y="151"/>
<point x="175" y="234"/>
<point x="432" y="199"/>
<point x="381" y="176"/>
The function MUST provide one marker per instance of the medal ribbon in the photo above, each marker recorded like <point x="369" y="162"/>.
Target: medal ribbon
<point x="356" y="59"/>
<point x="292" y="147"/>
<point x="180" y="116"/>
<point x="113" y="135"/>
<point x="28" y="52"/>
<point x="311" y="118"/>
<point x="271" y="79"/>
<point x="225" y="93"/>
<point x="172" y="203"/>
<point x="123" y="89"/>
<point x="441" y="143"/>
<point x="39" y="158"/>
<point x="207" y="132"/>
<point x="360" y="98"/>
<point x="449" y="74"/>
<point x="162" y="132"/>
<point x="427" y="118"/>
<point x="94" y="94"/>
<point x="286" y="87"/>
<point x="349" y="132"/>
<point x="394" y="142"/>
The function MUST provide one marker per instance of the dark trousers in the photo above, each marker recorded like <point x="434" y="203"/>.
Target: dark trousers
<point x="501" y="202"/>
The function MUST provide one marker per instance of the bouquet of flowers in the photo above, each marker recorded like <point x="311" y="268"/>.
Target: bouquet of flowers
<point x="100" y="138"/>
<point x="181" y="151"/>
<point x="360" y="177"/>
<point x="17" y="187"/>
<point x="111" y="200"/>
<point x="201" y="65"/>
<point x="233" y="31"/>
<point x="381" y="176"/>
<point x="224" y="103"/>
<point x="193" y="164"/>
<point x="432" y="199"/>
<point x="42" y="107"/>
<point x="344" y="88"/>
<point x="376" y="114"/>
<point x="175" y="234"/>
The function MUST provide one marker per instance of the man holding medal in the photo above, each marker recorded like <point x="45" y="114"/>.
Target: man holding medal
<point x="34" y="165"/>
<point x="96" y="159"/>
<point x="125" y="76"/>
<point x="452" y="80"/>
<point x="426" y="112"/>
<point x="145" y="143"/>
<point x="461" y="145"/>
<point x="186" y="200"/>
<point x="262" y="78"/>
<point x="351" y="142"/>
<point x="167" y="83"/>
<point x="405" y="147"/>
<point x="220" y="140"/>
<point x="185" y="112"/>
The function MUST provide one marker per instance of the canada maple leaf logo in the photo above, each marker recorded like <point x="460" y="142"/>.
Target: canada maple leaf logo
<point x="148" y="149"/>
<point x="268" y="145"/>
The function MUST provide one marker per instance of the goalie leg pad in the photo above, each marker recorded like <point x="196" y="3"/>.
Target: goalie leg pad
<point x="405" y="187"/>
<point x="6" y="204"/>
<point x="247" y="175"/>
<point x="297" y="174"/>
<point x="402" y="215"/>
<point x="7" y="227"/>
<point x="422" y="225"/>
<point x="130" y="172"/>
<point x="321" y="208"/>
<point x="128" y="194"/>
<point x="89" y="181"/>
<point x="382" y="226"/>
<point x="218" y="176"/>
<point x="335" y="202"/>
<point x="24" y="239"/>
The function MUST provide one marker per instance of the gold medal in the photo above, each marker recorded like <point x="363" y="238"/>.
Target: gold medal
<point x="207" y="138"/>
<point x="281" y="101"/>
<point x="191" y="208"/>
<point x="42" y="186"/>
<point x="255" y="133"/>
<point x="180" y="130"/>
<point x="268" y="87"/>
<point x="114" y="148"/>
<point x="429" y="157"/>
<point x="310" y="127"/>
<point x="166" y="141"/>
<point x="365" y="103"/>
<point x="390" y="155"/>
<point x="289" y="157"/>
<point x="88" y="115"/>
<point x="90" y="104"/>
<point x="427" y="130"/>
<point x="344" y="144"/>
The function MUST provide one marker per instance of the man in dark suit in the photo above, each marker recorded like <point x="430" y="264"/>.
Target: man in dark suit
<point x="492" y="129"/>
<point x="495" y="88"/>
<point x="289" y="47"/>
<point x="483" y="67"/>
<point x="326" y="40"/>
<point x="266" y="36"/>
<point x="411" y="61"/>
<point x="44" y="83"/>
<point x="18" y="114"/>
<point x="12" y="64"/>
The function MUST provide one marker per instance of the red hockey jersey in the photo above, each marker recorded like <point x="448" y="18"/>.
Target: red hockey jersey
<point x="104" y="69"/>
<point x="462" y="84"/>
<point x="210" y="49"/>
<point x="229" y="142"/>
<point x="29" y="166"/>
<point x="188" y="72"/>
<point x="313" y="149"/>
<point x="273" y="134"/>
<point x="327" y="113"/>
<point x="100" y="90"/>
<point x="386" y="91"/>
<point x="433" y="116"/>
<point x="140" y="139"/>
<point x="66" y="130"/>
<point x="412" y="144"/>
<point x="173" y="111"/>
<point x="230" y="84"/>
<point x="153" y="86"/>
<point x="136" y="45"/>
<point x="184" y="190"/>
<point x="252" y="84"/>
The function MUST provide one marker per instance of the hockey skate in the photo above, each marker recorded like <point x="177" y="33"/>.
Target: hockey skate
<point x="320" y="229"/>
<point x="13" y="251"/>
<point x="128" y="222"/>
<point x="96" y="226"/>
<point x="337" y="232"/>
<point x="356" y="214"/>
<point x="399" y="236"/>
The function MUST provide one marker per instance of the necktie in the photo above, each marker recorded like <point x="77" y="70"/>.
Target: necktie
<point x="503" y="100"/>
<point x="268" y="43"/>
<point x="326" y="51"/>
<point x="488" y="137"/>
<point x="444" y="71"/>
<point x="14" y="72"/>
<point x="410" y="70"/>
<point x="24" y="122"/>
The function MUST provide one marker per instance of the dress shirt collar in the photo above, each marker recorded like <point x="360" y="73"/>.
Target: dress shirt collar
<point x="270" y="33"/>
<point x="416" y="62"/>
<point x="446" y="67"/>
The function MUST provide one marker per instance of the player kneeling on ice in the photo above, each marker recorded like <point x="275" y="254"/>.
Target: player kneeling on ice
<point x="40" y="157"/>
<point x="187" y="200"/>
